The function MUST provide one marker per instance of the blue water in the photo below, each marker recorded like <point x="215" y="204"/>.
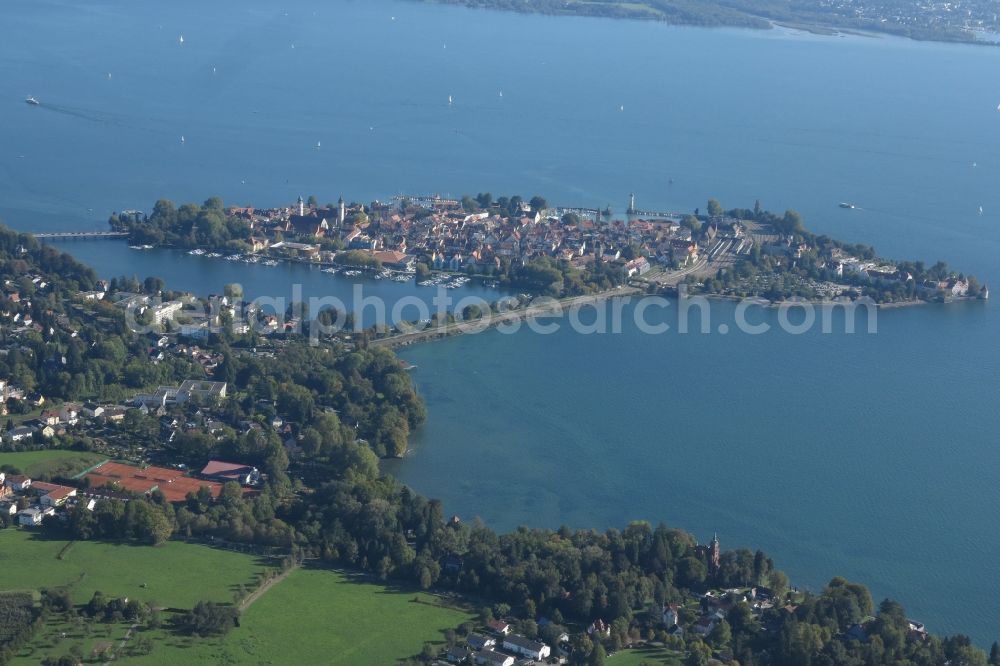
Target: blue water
<point x="868" y="456"/>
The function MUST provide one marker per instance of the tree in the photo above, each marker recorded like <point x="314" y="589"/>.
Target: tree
<point x="721" y="635"/>
<point x="152" y="285"/>
<point x="597" y="656"/>
<point x="691" y="222"/>
<point x="538" y="203"/>
<point x="233" y="291"/>
<point x="207" y="619"/>
<point x="714" y="208"/>
<point x="698" y="654"/>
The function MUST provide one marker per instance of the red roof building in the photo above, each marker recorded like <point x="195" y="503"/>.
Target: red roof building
<point x="171" y="482"/>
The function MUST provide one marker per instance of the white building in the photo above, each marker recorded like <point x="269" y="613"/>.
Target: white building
<point x="32" y="516"/>
<point x="526" y="647"/>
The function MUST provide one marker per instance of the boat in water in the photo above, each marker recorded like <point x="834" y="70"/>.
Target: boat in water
<point x="844" y="204"/>
<point x="32" y="101"/>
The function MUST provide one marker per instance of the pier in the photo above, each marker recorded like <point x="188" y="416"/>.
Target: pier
<point x="79" y="235"/>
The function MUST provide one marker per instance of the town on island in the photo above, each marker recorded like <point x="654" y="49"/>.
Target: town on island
<point x="550" y="250"/>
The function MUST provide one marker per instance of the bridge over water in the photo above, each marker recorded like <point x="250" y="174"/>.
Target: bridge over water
<point x="79" y="235"/>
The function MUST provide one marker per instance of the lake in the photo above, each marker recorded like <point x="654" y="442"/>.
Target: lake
<point x="870" y="456"/>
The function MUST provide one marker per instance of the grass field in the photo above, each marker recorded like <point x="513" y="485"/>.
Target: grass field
<point x="51" y="462"/>
<point x="176" y="575"/>
<point x="645" y="655"/>
<point x="319" y="617"/>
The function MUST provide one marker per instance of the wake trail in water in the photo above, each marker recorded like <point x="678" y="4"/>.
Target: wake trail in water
<point x="107" y="118"/>
<point x="83" y="114"/>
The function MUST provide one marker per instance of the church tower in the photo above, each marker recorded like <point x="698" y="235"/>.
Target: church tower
<point x="302" y="207"/>
<point x="714" y="554"/>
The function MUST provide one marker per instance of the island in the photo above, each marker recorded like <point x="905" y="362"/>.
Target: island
<point x="555" y="251"/>
<point x="972" y="22"/>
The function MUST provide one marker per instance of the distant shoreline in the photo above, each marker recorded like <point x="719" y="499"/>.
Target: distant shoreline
<point x="732" y="15"/>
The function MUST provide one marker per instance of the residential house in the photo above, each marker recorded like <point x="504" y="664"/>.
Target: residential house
<point x="17" y="482"/>
<point x="457" y="655"/>
<point x="477" y="642"/>
<point x="33" y="516"/>
<point x="115" y="414"/>
<point x="20" y="433"/>
<point x="51" y="417"/>
<point x="599" y="627"/>
<point x="638" y="266"/>
<point x="92" y="410"/>
<point x="30" y="517"/>
<point x="499" y="627"/>
<point x="491" y="658"/>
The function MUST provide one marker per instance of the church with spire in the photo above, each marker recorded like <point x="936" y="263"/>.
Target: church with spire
<point x="712" y="554"/>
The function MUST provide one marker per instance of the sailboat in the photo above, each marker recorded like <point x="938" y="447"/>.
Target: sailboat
<point x="319" y="145"/>
<point x="181" y="40"/>
<point x="449" y="100"/>
<point x="501" y="93"/>
<point x="980" y="210"/>
<point x="182" y="138"/>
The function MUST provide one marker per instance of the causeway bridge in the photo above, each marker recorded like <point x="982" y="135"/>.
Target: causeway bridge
<point x="654" y="214"/>
<point x="79" y="235"/>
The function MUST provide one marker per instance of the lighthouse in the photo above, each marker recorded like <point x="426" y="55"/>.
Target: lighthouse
<point x="631" y="203"/>
<point x="302" y="207"/>
<point x="341" y="211"/>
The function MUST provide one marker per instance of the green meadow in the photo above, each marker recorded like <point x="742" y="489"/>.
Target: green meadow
<point x="320" y="617"/>
<point x="174" y="575"/>
<point x="50" y="462"/>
